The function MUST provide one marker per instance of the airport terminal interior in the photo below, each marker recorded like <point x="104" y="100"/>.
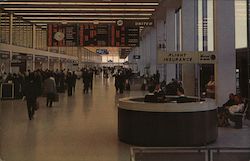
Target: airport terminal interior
<point x="124" y="80"/>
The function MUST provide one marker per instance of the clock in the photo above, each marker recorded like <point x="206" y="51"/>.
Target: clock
<point x="59" y="36"/>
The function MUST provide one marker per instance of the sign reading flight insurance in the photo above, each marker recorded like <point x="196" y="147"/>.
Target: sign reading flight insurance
<point x="182" y="57"/>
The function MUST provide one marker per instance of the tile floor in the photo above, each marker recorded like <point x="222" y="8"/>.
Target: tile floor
<point x="80" y="128"/>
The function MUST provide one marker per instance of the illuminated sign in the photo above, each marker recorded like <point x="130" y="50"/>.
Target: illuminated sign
<point x="165" y="57"/>
<point x="93" y="35"/>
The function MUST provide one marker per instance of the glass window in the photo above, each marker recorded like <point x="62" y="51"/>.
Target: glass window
<point x="240" y="23"/>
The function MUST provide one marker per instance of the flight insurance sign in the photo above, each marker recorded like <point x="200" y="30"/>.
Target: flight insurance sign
<point x="166" y="57"/>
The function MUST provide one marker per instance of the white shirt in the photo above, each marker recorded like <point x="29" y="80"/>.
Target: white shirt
<point x="236" y="108"/>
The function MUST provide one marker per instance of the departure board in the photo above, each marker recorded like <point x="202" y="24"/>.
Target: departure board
<point x="62" y="35"/>
<point x="100" y="35"/>
<point x="132" y="36"/>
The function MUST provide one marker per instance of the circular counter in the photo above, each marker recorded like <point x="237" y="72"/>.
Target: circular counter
<point x="167" y="124"/>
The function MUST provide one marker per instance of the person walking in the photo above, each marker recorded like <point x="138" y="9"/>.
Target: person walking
<point x="70" y="83"/>
<point x="74" y="81"/>
<point x="31" y="94"/>
<point x="50" y="89"/>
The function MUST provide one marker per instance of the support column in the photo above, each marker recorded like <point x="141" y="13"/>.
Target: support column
<point x="225" y="75"/>
<point x="141" y="61"/>
<point x="11" y="29"/>
<point x="153" y="50"/>
<point x="248" y="53"/>
<point x="189" y="43"/>
<point x="48" y="62"/>
<point x="160" y="30"/>
<point x="248" y="26"/>
<point x="11" y="37"/>
<point x="33" y="36"/>
<point x="170" y="38"/>
<point x="34" y="44"/>
<point x="147" y="55"/>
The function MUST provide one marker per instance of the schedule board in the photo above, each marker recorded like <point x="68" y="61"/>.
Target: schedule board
<point x="100" y="35"/>
<point x="62" y="35"/>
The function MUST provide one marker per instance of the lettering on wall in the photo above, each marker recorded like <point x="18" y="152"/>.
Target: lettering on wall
<point x="166" y="57"/>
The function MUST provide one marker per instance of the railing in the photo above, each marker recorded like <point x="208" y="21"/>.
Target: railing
<point x="190" y="154"/>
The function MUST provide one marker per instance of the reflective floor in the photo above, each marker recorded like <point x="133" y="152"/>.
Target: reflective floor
<point x="78" y="128"/>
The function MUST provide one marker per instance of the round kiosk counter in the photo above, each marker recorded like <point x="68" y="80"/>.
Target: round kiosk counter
<point x="193" y="123"/>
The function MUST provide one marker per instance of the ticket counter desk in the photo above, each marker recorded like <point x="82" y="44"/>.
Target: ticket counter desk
<point x="193" y="123"/>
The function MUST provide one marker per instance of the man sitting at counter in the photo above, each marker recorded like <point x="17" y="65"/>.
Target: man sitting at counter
<point x="151" y="97"/>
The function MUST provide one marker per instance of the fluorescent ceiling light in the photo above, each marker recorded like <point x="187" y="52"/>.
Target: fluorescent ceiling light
<point x="41" y="24"/>
<point x="81" y="3"/>
<point x="87" y="18"/>
<point x="81" y="9"/>
<point x="58" y="21"/>
<point x="3" y="13"/>
<point x="84" y="14"/>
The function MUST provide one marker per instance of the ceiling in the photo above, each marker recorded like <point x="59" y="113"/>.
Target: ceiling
<point x="80" y="11"/>
<point x="43" y="12"/>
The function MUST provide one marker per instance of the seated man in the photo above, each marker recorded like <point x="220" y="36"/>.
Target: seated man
<point x="236" y="105"/>
<point x="230" y="101"/>
<point x="150" y="97"/>
<point x="239" y="107"/>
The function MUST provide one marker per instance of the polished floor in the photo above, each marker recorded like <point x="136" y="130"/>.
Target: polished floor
<point x="78" y="128"/>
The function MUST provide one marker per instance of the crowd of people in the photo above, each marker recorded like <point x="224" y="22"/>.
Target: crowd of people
<point x="158" y="90"/>
<point x="122" y="79"/>
<point x="48" y="83"/>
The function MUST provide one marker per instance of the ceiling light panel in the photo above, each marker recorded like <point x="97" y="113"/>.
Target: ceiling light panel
<point x="62" y="21"/>
<point x="84" y="14"/>
<point x="87" y="18"/>
<point x="81" y="3"/>
<point x="82" y="9"/>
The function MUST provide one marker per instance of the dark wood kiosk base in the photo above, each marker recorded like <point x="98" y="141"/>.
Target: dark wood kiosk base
<point x="167" y="124"/>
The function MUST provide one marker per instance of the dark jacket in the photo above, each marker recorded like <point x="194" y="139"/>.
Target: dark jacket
<point x="150" y="98"/>
<point x="31" y="90"/>
<point x="49" y="86"/>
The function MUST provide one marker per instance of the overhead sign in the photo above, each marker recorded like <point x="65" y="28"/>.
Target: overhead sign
<point x="102" y="35"/>
<point x="146" y="23"/>
<point x="63" y="60"/>
<point x="54" y="59"/>
<point x="4" y="55"/>
<point x="62" y="35"/>
<point x="102" y="51"/>
<point x="41" y="58"/>
<point x="138" y="23"/>
<point x="166" y="57"/>
<point x="136" y="57"/>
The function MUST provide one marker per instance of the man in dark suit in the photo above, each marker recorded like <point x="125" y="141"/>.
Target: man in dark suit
<point x="70" y="83"/>
<point x="31" y="93"/>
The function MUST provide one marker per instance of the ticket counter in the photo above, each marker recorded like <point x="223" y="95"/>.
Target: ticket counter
<point x="193" y="123"/>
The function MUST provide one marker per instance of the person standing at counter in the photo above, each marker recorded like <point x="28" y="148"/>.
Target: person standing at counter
<point x="210" y="87"/>
<point x="150" y="97"/>
<point x="182" y="98"/>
